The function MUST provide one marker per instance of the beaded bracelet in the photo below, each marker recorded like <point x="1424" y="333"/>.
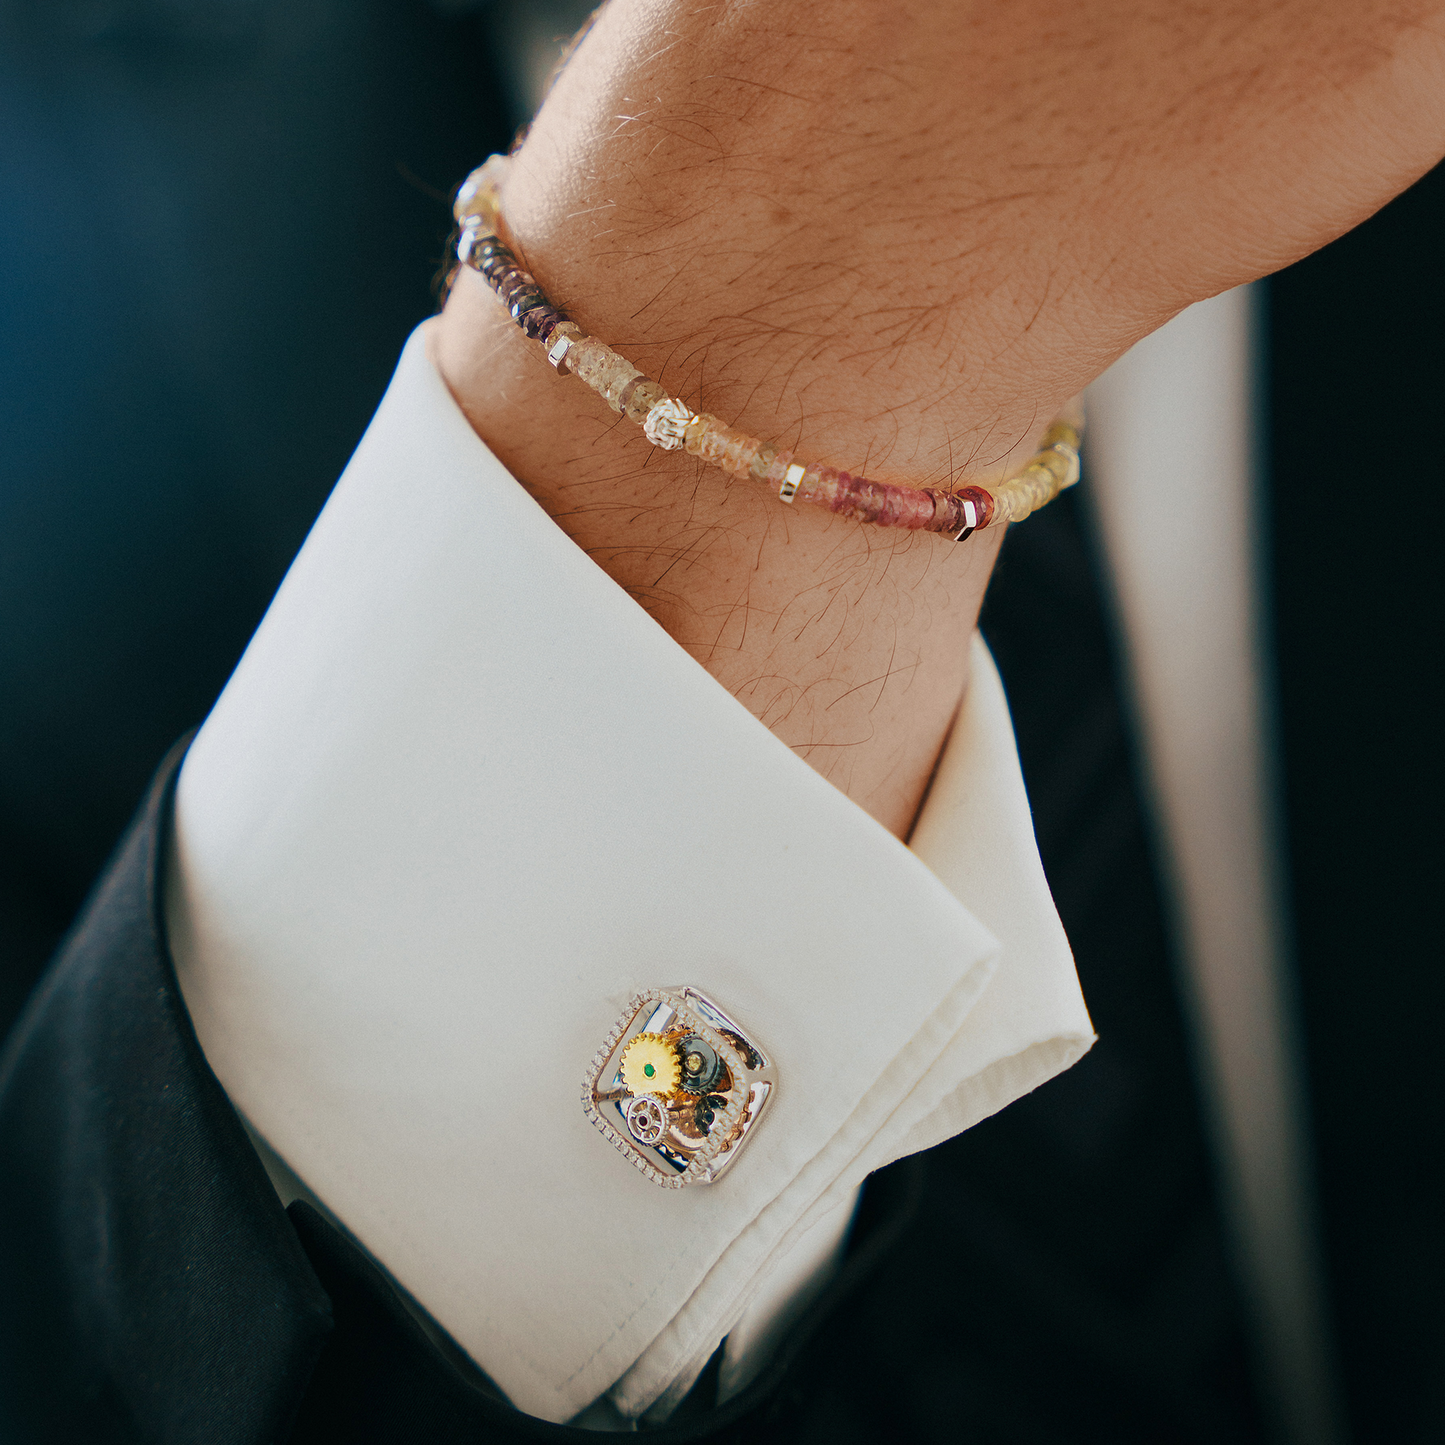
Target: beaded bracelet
<point x="670" y="424"/>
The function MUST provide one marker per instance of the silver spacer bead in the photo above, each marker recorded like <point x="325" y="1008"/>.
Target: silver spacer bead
<point x="563" y="339"/>
<point x="472" y="233"/>
<point x="665" y="424"/>
<point x="789" y="489"/>
<point x="970" y="522"/>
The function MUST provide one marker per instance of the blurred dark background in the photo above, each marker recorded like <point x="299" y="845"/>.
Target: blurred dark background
<point x="221" y="220"/>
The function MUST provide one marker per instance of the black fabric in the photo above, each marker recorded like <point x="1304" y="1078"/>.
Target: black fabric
<point x="1090" y="1206"/>
<point x="1355" y="380"/>
<point x="152" y="1289"/>
<point x="1054" y="1275"/>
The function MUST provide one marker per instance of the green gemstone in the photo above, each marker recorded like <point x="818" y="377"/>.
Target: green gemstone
<point x="648" y="1070"/>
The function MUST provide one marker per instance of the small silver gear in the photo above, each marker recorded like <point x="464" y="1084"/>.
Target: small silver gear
<point x="646" y="1119"/>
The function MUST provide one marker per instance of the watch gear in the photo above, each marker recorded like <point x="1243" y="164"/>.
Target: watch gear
<point x="646" y="1119"/>
<point x="651" y="1065"/>
<point x="701" y="1067"/>
<point x="706" y="1111"/>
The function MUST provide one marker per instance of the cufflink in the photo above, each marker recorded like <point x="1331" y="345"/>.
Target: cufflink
<point x="677" y="1087"/>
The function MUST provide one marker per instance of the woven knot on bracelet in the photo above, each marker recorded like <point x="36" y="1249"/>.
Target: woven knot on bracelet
<point x="671" y="424"/>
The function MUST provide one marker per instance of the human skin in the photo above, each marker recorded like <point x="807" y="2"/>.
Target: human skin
<point x="898" y="238"/>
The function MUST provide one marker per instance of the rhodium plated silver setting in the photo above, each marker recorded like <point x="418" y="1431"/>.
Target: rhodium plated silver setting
<point x="692" y="1134"/>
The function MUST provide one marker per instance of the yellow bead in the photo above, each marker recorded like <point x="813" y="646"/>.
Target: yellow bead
<point x="1061" y="431"/>
<point x="694" y="437"/>
<point x="614" y="383"/>
<point x="479" y="199"/>
<point x="1071" y="458"/>
<point x="1056" y="464"/>
<point x="645" y="395"/>
<point x="591" y="361"/>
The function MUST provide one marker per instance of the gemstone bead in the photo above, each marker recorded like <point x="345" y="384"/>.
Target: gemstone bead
<point x="495" y="266"/>
<point x="531" y="321"/>
<point x="644" y="396"/>
<point x="738" y="453"/>
<point x="1059" y="462"/>
<point x="882" y="503"/>
<point x="549" y="325"/>
<point x="723" y="446"/>
<point x="515" y="281"/>
<point x="620" y="376"/>
<point x="1061" y="432"/>
<point x="694" y="431"/>
<point x="479" y="197"/>
<point x="819" y="484"/>
<point x="602" y="369"/>
<point x="1070" y="455"/>
<point x="1026" y="492"/>
<point x="469" y="247"/>
<point x="587" y="358"/>
<point x="524" y="301"/>
<point x="625" y="395"/>
<point x="770" y="466"/>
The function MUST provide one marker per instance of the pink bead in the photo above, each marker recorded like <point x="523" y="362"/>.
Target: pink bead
<point x="819" y="485"/>
<point x="883" y="504"/>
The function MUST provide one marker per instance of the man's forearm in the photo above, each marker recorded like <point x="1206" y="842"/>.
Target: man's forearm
<point x="897" y="240"/>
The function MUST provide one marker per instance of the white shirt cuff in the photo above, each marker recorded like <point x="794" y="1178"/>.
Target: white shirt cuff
<point x="463" y="797"/>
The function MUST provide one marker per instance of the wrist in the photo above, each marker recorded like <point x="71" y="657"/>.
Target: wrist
<point x="850" y="643"/>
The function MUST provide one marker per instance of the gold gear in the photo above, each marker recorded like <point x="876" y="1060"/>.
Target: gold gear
<point x="650" y="1065"/>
